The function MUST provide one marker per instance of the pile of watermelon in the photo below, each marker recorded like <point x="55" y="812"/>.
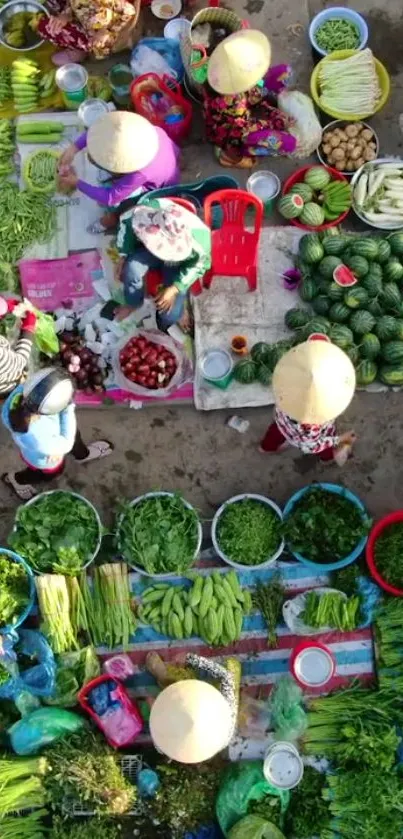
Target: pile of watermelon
<point x="259" y="365"/>
<point x="316" y="199"/>
<point x="354" y="285"/>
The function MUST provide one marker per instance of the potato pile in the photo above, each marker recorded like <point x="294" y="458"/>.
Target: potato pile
<point x="346" y="149"/>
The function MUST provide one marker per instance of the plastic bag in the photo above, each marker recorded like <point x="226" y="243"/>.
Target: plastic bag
<point x="288" y="716"/>
<point x="244" y="782"/>
<point x="255" y="827"/>
<point x="73" y="670"/>
<point x="29" y="735"/>
<point x="180" y="376"/>
<point x="370" y="595"/>
<point x="38" y="680"/>
<point x="293" y="609"/>
<point x="157" y="55"/>
<point x="45" y="336"/>
<point x="307" y="129"/>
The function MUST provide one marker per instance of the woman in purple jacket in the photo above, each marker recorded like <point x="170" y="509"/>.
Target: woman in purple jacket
<point x="137" y="157"/>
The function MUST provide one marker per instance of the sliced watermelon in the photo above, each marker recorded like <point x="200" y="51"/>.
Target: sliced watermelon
<point x="319" y="336"/>
<point x="344" y="277"/>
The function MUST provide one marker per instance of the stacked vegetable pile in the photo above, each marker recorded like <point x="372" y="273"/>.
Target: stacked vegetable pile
<point x="349" y="85"/>
<point x="259" y="365"/>
<point x="7" y="148"/>
<point x="213" y="608"/>
<point x="389" y="650"/>
<point x="348" y="147"/>
<point x="5" y="85"/>
<point x="316" y="199"/>
<point x="337" y="34"/>
<point x="14" y="590"/>
<point x="378" y="194"/>
<point x="354" y="286"/>
<point x="84" y="365"/>
<point x="40" y="171"/>
<point x="40" y="131"/>
<point x="57" y="532"/>
<point x="331" y="609"/>
<point x="25" y="85"/>
<point x="20" y="30"/>
<point x="25" y="218"/>
<point x="146" y="363"/>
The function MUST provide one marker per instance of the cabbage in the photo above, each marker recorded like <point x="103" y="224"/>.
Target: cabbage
<point x="255" y="827"/>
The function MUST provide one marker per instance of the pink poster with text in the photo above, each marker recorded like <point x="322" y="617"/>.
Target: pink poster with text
<point x="51" y="284"/>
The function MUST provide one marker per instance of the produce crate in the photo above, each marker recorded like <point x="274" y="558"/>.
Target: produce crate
<point x="130" y="765"/>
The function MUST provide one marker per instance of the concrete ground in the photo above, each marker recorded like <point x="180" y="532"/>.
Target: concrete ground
<point x="195" y="453"/>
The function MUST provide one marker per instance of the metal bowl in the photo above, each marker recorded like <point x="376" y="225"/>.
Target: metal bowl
<point x="9" y="10"/>
<point x="388" y="227"/>
<point x="340" y="123"/>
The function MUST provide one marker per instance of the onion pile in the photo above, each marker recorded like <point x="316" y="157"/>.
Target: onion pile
<point x="81" y="363"/>
<point x="147" y="364"/>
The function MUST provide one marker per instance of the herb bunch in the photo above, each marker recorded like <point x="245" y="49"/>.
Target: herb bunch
<point x="324" y="526"/>
<point x="268" y="598"/>
<point x="388" y="554"/>
<point x="186" y="797"/>
<point x="249" y="531"/>
<point x="366" y="804"/>
<point x="14" y="589"/>
<point x="307" y="814"/>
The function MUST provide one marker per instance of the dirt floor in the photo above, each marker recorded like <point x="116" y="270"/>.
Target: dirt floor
<point x="196" y="453"/>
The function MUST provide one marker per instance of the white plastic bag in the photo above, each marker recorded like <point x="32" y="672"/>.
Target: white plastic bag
<point x="307" y="129"/>
<point x="180" y="376"/>
<point x="146" y="60"/>
<point x="293" y="609"/>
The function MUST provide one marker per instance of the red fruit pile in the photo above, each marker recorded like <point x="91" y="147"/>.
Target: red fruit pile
<point x="147" y="364"/>
<point x="82" y="363"/>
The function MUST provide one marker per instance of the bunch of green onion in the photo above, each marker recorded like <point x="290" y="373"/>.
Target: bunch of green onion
<point x="349" y="85"/>
<point x="20" y="785"/>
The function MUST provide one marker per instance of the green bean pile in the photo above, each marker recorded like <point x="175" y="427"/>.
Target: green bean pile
<point x="25" y="218"/>
<point x="40" y="171"/>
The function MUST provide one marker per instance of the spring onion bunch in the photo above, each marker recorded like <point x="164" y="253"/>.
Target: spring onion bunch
<point x="350" y="85"/>
<point x="54" y="605"/>
<point x="28" y="826"/>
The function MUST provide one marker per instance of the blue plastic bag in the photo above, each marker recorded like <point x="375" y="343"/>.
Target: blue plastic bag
<point x="40" y="728"/>
<point x="167" y="48"/>
<point x="38" y="680"/>
<point x="370" y="595"/>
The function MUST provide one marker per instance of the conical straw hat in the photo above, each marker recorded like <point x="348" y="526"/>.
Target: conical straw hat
<point x="121" y="142"/>
<point x="239" y="62"/>
<point x="314" y="382"/>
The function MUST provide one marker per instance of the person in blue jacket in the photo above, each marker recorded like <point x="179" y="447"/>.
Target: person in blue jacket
<point x="40" y="416"/>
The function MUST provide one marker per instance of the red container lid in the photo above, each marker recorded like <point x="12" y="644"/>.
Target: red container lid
<point x="376" y="531"/>
<point x="312" y="664"/>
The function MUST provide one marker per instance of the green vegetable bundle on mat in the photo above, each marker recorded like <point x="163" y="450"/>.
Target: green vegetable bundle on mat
<point x="104" y="610"/>
<point x="307" y="814"/>
<point x="14" y="590"/>
<point x="365" y="804"/>
<point x="25" y="218"/>
<point x="249" y="531"/>
<point x="324" y="526"/>
<point x="213" y="608"/>
<point x="389" y="644"/>
<point x="185" y="800"/>
<point x="40" y="171"/>
<point x="388" y="554"/>
<point x="268" y="598"/>
<point x="7" y="146"/>
<point x="90" y="828"/>
<point x="58" y="532"/>
<point x="159" y="534"/>
<point x="26" y="826"/>
<point x="54" y="607"/>
<point x="331" y="609"/>
<point x="21" y="784"/>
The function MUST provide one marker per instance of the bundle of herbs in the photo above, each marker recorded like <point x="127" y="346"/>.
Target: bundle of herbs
<point x="388" y="554"/>
<point x="307" y="814"/>
<point x="26" y="826"/>
<point x="21" y="784"/>
<point x="82" y="768"/>
<point x="186" y="798"/>
<point x="54" y="607"/>
<point x="105" y="609"/>
<point x="324" y="526"/>
<point x="268" y="598"/>
<point x="249" y="531"/>
<point x="58" y="532"/>
<point x="365" y="804"/>
<point x="389" y="644"/>
<point x="14" y="590"/>
<point x="89" y="828"/>
<point x="159" y="534"/>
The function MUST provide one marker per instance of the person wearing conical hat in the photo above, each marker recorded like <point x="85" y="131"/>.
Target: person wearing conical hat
<point x="313" y="384"/>
<point x="240" y="119"/>
<point x="136" y="156"/>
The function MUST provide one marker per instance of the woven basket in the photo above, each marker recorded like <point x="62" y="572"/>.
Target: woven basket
<point x="223" y="17"/>
<point x="131" y="33"/>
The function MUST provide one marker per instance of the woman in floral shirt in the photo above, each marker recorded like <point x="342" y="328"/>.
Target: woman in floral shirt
<point x="313" y="383"/>
<point x="87" y="26"/>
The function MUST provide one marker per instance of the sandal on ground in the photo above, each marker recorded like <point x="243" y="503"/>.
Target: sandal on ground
<point x="241" y="162"/>
<point x="24" y="491"/>
<point x="342" y="454"/>
<point x="96" y="450"/>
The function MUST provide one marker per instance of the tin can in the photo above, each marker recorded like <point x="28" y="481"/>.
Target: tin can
<point x="90" y="110"/>
<point x="72" y="80"/>
<point x="266" y="186"/>
<point x="312" y="664"/>
<point x="217" y="366"/>
<point x="283" y="766"/>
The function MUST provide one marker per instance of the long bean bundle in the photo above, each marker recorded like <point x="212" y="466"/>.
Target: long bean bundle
<point x="25" y="218"/>
<point x="350" y="85"/>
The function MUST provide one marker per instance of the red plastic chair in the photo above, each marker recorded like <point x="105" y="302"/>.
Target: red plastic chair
<point x="153" y="276"/>
<point x="234" y="249"/>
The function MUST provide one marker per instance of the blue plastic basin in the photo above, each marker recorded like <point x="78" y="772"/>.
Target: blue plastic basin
<point x="341" y="563"/>
<point x="338" y="12"/>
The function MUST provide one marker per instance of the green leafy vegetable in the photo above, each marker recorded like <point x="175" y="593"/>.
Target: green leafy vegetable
<point x="331" y="609"/>
<point x="54" y="606"/>
<point x="186" y="797"/>
<point x="388" y="554"/>
<point x="389" y="644"/>
<point x="73" y="671"/>
<point x="255" y="827"/>
<point x="159" y="534"/>
<point x="324" y="526"/>
<point x="308" y="813"/>
<point x="268" y="599"/>
<point x="366" y="804"/>
<point x="20" y="784"/>
<point x="106" y="611"/>
<point x="14" y="590"/>
<point x="58" y="532"/>
<point x="91" y="828"/>
<point x="4" y="675"/>
<point x="45" y="336"/>
<point x="249" y="531"/>
<point x="269" y="809"/>
<point x="26" y="826"/>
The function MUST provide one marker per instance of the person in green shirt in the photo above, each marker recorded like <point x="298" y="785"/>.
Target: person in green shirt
<point x="161" y="235"/>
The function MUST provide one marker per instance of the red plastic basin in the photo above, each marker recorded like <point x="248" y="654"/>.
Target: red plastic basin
<point x="377" y="529"/>
<point x="299" y="176"/>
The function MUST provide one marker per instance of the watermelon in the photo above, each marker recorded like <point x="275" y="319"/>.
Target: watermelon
<point x="279" y="349"/>
<point x="303" y="267"/>
<point x="303" y="190"/>
<point x="386" y="328"/>
<point x="344" y="277"/>
<point x="367" y="247"/>
<point x="342" y="336"/>
<point x="375" y="308"/>
<point x="392" y="352"/>
<point x="356" y="297"/>
<point x="263" y="374"/>
<point x="323" y="285"/>
<point x="295" y="318"/>
<point x="372" y="284"/>
<point x="366" y="372"/>
<point x="353" y="354"/>
<point x="328" y="265"/>
<point x="317" y="177"/>
<point x="358" y="265"/>
<point x="312" y="215"/>
<point x="362" y="321"/>
<point x="370" y="345"/>
<point x="321" y="304"/>
<point x="310" y="248"/>
<point x="317" y="324"/>
<point x="375" y="270"/>
<point x="391" y="375"/>
<point x="399" y="330"/>
<point x="290" y="206"/>
<point x="334" y="245"/>
<point x="245" y="371"/>
<point x="393" y="270"/>
<point x="390" y="298"/>
<point x="384" y="250"/>
<point x="395" y="241"/>
<point x="261" y="352"/>
<point x="308" y="289"/>
<point x="335" y="291"/>
<point x="339" y="313"/>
